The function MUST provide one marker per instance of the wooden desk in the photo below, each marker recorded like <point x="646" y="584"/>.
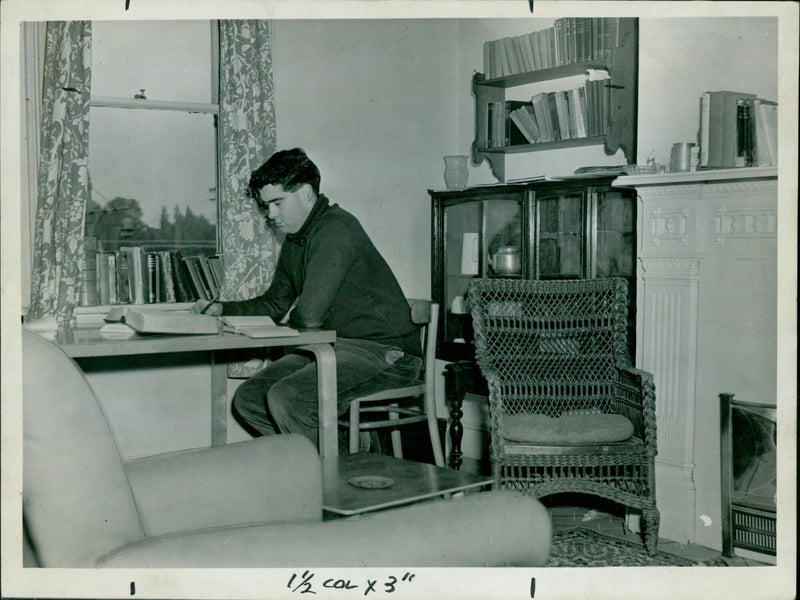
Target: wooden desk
<point x="412" y="482"/>
<point x="85" y="342"/>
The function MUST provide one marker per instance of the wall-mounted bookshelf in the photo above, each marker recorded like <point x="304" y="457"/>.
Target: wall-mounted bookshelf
<point x="606" y="50"/>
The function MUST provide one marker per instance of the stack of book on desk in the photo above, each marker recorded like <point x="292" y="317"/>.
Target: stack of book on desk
<point x="121" y="321"/>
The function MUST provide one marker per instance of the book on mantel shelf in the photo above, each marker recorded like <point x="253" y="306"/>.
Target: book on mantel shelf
<point x="718" y="128"/>
<point x="737" y="129"/>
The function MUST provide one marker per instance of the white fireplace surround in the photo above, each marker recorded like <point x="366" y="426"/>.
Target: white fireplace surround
<point x="706" y="324"/>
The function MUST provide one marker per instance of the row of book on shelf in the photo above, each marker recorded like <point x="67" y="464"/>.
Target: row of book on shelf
<point x="737" y="129"/>
<point x="134" y="275"/>
<point x="550" y="116"/>
<point x="570" y="40"/>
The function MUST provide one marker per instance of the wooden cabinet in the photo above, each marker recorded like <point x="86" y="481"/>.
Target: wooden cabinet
<point x="574" y="228"/>
<point x="616" y="125"/>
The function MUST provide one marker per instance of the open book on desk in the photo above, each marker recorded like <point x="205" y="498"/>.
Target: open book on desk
<point x="161" y="321"/>
<point x="256" y="327"/>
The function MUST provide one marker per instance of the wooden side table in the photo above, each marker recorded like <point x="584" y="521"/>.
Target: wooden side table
<point x="410" y="482"/>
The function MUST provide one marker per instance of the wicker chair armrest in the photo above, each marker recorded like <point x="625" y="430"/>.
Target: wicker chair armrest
<point x="493" y="385"/>
<point x="636" y="388"/>
<point x="495" y="412"/>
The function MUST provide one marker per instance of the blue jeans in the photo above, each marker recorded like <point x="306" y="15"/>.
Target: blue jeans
<point x="282" y="397"/>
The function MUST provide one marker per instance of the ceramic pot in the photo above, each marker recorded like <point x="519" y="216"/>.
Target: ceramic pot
<point x="455" y="172"/>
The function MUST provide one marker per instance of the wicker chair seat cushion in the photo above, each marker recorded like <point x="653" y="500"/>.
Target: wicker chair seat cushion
<point x="567" y="429"/>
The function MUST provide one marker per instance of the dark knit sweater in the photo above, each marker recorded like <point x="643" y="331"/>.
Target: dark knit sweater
<point x="340" y="282"/>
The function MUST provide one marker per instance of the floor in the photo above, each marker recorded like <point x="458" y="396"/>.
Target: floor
<point x="574" y="510"/>
<point x="567" y="516"/>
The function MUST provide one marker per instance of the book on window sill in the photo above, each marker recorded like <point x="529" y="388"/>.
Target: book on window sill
<point x="256" y="327"/>
<point x="162" y="321"/>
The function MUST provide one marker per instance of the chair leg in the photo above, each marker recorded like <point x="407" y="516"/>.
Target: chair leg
<point x="650" y="524"/>
<point x="436" y="442"/>
<point x="355" y="409"/>
<point x="397" y="444"/>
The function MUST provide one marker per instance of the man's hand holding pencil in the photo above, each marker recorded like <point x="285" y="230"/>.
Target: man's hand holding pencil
<point x="207" y="307"/>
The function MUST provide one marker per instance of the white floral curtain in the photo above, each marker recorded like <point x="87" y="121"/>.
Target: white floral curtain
<point x="63" y="183"/>
<point x="247" y="139"/>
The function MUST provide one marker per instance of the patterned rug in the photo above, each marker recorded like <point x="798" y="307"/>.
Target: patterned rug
<point x="581" y="547"/>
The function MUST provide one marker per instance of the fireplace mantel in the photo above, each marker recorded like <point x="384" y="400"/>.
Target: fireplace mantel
<point x="706" y="324"/>
<point x="704" y="176"/>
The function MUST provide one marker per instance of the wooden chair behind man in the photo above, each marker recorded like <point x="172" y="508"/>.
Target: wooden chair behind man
<point x="404" y="405"/>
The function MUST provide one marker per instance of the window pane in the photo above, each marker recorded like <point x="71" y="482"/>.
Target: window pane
<point x="153" y="177"/>
<point x="170" y="60"/>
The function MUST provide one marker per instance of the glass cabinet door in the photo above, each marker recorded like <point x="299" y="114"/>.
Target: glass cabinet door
<point x="561" y="237"/>
<point x="462" y="250"/>
<point x="614" y="253"/>
<point x="484" y="237"/>
<point x="504" y="243"/>
<point x="462" y="263"/>
<point x="615" y="250"/>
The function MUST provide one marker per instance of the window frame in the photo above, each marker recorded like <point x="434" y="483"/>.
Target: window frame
<point x="212" y="108"/>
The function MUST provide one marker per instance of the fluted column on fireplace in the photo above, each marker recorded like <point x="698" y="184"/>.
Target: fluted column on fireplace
<point x="667" y="330"/>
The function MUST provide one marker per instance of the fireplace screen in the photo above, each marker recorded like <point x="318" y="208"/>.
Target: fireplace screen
<point x="749" y="475"/>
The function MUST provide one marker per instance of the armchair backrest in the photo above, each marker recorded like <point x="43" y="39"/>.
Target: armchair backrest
<point x="77" y="502"/>
<point x="550" y="347"/>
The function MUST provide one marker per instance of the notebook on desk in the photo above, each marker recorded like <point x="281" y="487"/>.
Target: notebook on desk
<point x="256" y="327"/>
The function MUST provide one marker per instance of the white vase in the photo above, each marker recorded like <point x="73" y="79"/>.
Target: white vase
<point x="455" y="172"/>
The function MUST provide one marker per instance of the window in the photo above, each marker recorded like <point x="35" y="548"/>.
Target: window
<point x="152" y="136"/>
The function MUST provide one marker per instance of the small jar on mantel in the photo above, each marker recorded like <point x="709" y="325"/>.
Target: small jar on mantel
<point x="455" y="172"/>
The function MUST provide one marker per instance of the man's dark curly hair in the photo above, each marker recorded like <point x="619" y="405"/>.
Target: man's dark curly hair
<point x="289" y="168"/>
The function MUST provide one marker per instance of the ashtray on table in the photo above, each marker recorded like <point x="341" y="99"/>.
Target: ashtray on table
<point x="371" y="482"/>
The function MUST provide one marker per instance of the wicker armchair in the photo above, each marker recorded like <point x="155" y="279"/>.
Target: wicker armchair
<point x="568" y="412"/>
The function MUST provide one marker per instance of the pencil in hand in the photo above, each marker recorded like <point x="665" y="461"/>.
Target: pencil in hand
<point x="209" y="305"/>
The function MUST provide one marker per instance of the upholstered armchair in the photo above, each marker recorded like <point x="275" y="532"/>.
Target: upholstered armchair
<point x="568" y="411"/>
<point x="250" y="504"/>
